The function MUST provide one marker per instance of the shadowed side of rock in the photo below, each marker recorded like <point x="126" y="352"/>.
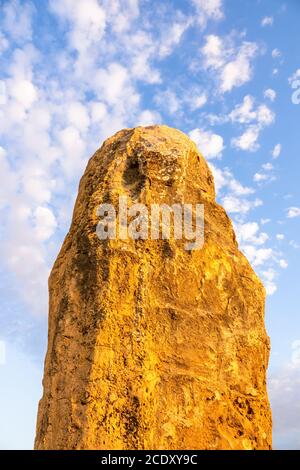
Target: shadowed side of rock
<point x="152" y="346"/>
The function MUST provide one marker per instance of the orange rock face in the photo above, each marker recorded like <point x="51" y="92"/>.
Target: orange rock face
<point x="152" y="346"/>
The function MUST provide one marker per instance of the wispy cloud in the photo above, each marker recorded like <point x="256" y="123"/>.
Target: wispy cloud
<point x="230" y="63"/>
<point x="267" y="21"/>
<point x="293" y="212"/>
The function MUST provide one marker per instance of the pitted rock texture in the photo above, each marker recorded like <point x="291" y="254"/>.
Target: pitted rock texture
<point x="151" y="346"/>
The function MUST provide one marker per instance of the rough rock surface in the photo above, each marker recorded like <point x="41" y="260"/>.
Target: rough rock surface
<point x="151" y="346"/>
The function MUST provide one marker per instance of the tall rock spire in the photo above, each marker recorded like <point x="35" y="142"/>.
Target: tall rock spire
<point x="152" y="345"/>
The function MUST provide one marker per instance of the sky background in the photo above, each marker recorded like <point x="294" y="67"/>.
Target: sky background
<point x="73" y="72"/>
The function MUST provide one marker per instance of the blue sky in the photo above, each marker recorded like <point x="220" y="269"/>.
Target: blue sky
<point x="74" y="72"/>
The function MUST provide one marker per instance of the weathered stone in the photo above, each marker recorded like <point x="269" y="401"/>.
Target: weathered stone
<point x="152" y="346"/>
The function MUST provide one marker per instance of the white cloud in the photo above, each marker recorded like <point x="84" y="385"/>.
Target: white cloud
<point x="238" y="71"/>
<point x="25" y="255"/>
<point x="37" y="187"/>
<point x="258" y="256"/>
<point x="44" y="223"/>
<point x="265" y="116"/>
<point x="8" y="179"/>
<point x="88" y="20"/>
<point x="78" y="116"/>
<point x="235" y="186"/>
<point x="230" y="64"/>
<point x="121" y="14"/>
<point x="169" y="101"/>
<point x="248" y="140"/>
<point x="269" y="274"/>
<point x="294" y="244"/>
<point x="267" y="21"/>
<point x="220" y="179"/>
<point x="199" y="101"/>
<point x="98" y="111"/>
<point x="140" y="48"/>
<point x="4" y="44"/>
<point x="276" y="53"/>
<point x="148" y="117"/>
<point x="283" y="263"/>
<point x="213" y="52"/>
<point x="210" y="145"/>
<point x="271" y="287"/>
<point x="270" y="94"/>
<point x="235" y="199"/>
<point x="261" y="258"/>
<point x="224" y="179"/>
<point x="28" y="264"/>
<point x="73" y="149"/>
<point x="258" y="177"/>
<point x="280" y="236"/>
<point x="267" y="166"/>
<point x="23" y="91"/>
<point x="17" y="20"/>
<point x="269" y="277"/>
<point x="111" y="82"/>
<point x="265" y="221"/>
<point x="276" y="151"/>
<point x="249" y="233"/>
<point x="208" y="10"/>
<point x="245" y="113"/>
<point x="173" y="36"/>
<point x="238" y="205"/>
<point x="293" y="212"/>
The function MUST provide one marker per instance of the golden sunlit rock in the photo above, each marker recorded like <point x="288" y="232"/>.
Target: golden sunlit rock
<point x="151" y="345"/>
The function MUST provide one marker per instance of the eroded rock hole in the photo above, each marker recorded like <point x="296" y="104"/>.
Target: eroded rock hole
<point x="133" y="178"/>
